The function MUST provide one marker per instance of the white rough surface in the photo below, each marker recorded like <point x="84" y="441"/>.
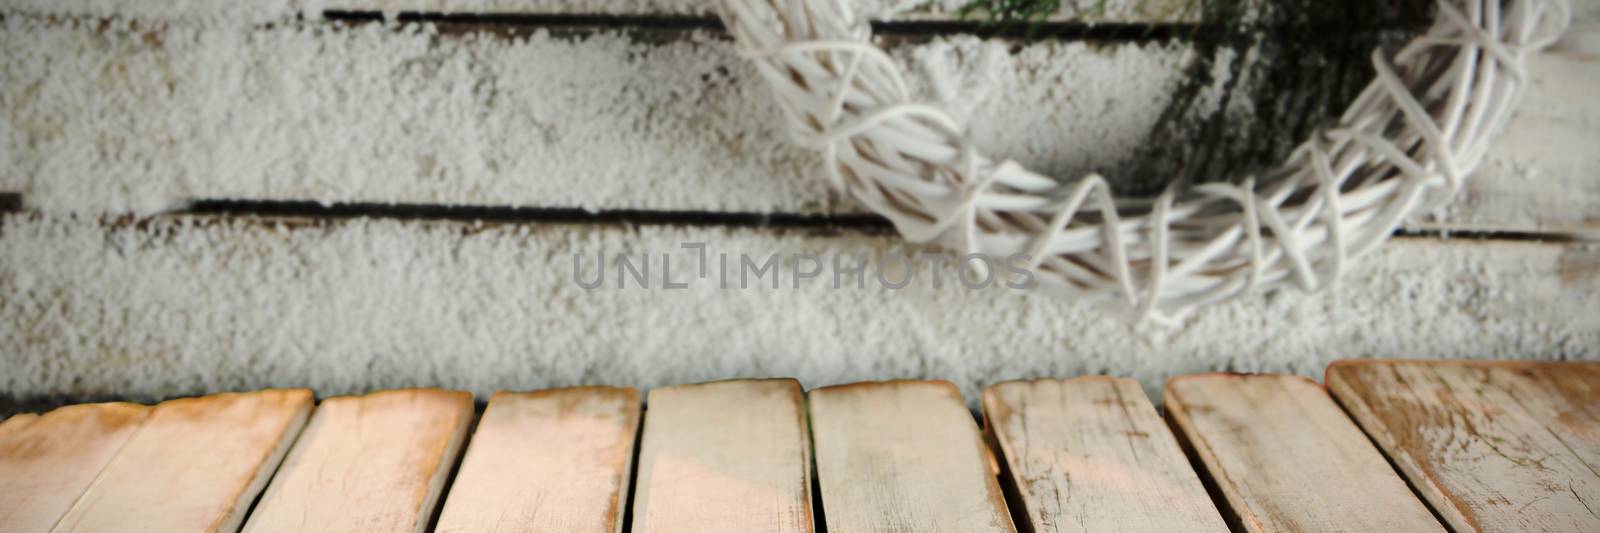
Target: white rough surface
<point x="231" y="12"/>
<point x="1541" y="172"/>
<point x="109" y="121"/>
<point x="124" y="119"/>
<point x="178" y="307"/>
<point x="257" y="11"/>
<point x="127" y="118"/>
<point x="1096" y="10"/>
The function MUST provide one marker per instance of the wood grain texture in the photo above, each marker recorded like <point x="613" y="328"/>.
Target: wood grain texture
<point x="1539" y="174"/>
<point x="903" y="456"/>
<point x="1091" y="454"/>
<point x="554" y="460"/>
<point x="1287" y="459"/>
<point x="194" y="466"/>
<point x="368" y="463"/>
<point x="47" y="461"/>
<point x="1565" y="397"/>
<point x="725" y="456"/>
<point x="1492" y="446"/>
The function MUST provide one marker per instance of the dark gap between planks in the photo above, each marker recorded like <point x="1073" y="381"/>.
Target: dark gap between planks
<point x="535" y="215"/>
<point x="854" y="222"/>
<point x="858" y="222"/>
<point x="1355" y="27"/>
<point x="678" y="23"/>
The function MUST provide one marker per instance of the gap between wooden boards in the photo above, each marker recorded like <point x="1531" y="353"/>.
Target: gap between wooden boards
<point x="864" y="223"/>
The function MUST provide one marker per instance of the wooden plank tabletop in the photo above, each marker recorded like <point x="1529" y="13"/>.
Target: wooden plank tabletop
<point x="554" y="460"/>
<point x="1484" y="442"/>
<point x="194" y="466"/>
<point x="1287" y="459"/>
<point x="903" y="456"/>
<point x="1494" y="446"/>
<point x="725" y="456"/>
<point x="1563" y="397"/>
<point x="1091" y="454"/>
<point x="47" y="461"/>
<point x="368" y="463"/>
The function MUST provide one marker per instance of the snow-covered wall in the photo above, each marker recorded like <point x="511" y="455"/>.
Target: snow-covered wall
<point x="102" y="120"/>
<point x="176" y="307"/>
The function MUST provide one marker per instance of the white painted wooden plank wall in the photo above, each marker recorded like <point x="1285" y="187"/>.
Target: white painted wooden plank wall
<point x="1098" y="10"/>
<point x="365" y="304"/>
<point x="138" y="118"/>
<point x="164" y="103"/>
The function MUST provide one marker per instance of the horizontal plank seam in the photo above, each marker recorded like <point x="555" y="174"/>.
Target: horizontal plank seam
<point x="861" y="223"/>
<point x="1320" y="31"/>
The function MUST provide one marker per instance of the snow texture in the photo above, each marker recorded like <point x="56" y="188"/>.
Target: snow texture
<point x="173" y="306"/>
<point x="167" y="101"/>
<point x="259" y="11"/>
<point x="128" y="119"/>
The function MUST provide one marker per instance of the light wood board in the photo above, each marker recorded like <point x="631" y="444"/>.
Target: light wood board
<point x="1487" y="454"/>
<point x="194" y="466"/>
<point x="553" y="460"/>
<point x="48" y="460"/>
<point x="1565" y="397"/>
<point x="368" y="463"/>
<point x="725" y="456"/>
<point x="903" y="456"/>
<point x="1091" y="454"/>
<point x="1287" y="459"/>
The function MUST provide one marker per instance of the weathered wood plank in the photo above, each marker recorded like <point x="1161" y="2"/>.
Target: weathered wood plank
<point x="503" y="310"/>
<point x="725" y="456"/>
<point x="368" y="463"/>
<point x="48" y="460"/>
<point x="1091" y="454"/>
<point x="554" y="460"/>
<point x="194" y="466"/>
<point x="1488" y="453"/>
<point x="1565" y="397"/>
<point x="1287" y="459"/>
<point x="567" y="110"/>
<point x="903" y="456"/>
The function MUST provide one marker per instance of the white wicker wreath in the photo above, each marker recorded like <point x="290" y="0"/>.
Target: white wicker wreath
<point x="1407" y="142"/>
